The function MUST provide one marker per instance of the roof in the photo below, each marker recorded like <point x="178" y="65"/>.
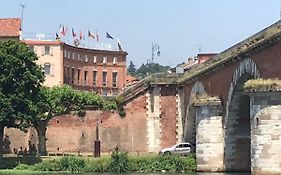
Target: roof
<point x="9" y="27"/>
<point x="41" y="42"/>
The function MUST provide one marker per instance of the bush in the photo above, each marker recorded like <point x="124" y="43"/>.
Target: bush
<point x="97" y="165"/>
<point x="22" y="167"/>
<point x="48" y="165"/>
<point x="163" y="164"/>
<point x="119" y="161"/>
<point x="72" y="164"/>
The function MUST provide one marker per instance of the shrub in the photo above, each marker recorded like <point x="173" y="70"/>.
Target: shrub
<point x="119" y="161"/>
<point x="48" y="165"/>
<point x="22" y="167"/>
<point x="72" y="163"/>
<point x="99" y="165"/>
<point x="163" y="164"/>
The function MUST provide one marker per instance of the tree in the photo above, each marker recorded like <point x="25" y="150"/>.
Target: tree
<point x="60" y="100"/>
<point x="20" y="82"/>
<point x="131" y="68"/>
<point x="151" y="68"/>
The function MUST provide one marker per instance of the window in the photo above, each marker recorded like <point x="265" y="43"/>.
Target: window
<point x="78" y="57"/>
<point x="72" y="75"/>
<point x="104" y="91"/>
<point x="94" y="78"/>
<point x="65" y="53"/>
<point x="104" y="77"/>
<point x="64" y="74"/>
<point x="67" y="74"/>
<point x="47" y="50"/>
<point x="78" y="76"/>
<point x="85" y="78"/>
<point x="73" y="55"/>
<point x="86" y="58"/>
<point x="104" y="60"/>
<point x="47" y="68"/>
<point x="31" y="48"/>
<point x="95" y="59"/>
<point x="68" y="56"/>
<point x="114" y="79"/>
<point x="114" y="60"/>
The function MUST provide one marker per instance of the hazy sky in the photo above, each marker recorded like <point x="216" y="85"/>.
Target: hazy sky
<point x="179" y="27"/>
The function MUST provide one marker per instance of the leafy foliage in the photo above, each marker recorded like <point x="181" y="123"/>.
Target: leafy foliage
<point x="131" y="68"/>
<point x="151" y="68"/>
<point x="60" y="100"/>
<point x="119" y="162"/>
<point x="146" y="69"/>
<point x="20" y="80"/>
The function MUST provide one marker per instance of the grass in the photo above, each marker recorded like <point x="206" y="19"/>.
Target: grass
<point x="263" y="85"/>
<point x="117" y="163"/>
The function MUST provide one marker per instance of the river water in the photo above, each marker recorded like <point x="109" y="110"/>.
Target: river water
<point x="146" y="174"/>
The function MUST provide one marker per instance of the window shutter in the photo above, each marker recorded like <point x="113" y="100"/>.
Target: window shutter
<point x="42" y="50"/>
<point x="51" y="50"/>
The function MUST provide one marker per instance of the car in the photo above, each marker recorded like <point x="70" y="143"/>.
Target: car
<point x="184" y="148"/>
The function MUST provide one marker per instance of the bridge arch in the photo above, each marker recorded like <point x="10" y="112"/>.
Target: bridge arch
<point x="237" y="149"/>
<point x="190" y="115"/>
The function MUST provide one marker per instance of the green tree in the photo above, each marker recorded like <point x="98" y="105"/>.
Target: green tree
<point x="151" y="68"/>
<point x="20" y="81"/>
<point x="131" y="68"/>
<point x="60" y="100"/>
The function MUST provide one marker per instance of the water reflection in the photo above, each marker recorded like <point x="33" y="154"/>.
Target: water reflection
<point x="142" y="174"/>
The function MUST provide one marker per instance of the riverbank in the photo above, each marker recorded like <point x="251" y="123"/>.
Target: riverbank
<point x="118" y="162"/>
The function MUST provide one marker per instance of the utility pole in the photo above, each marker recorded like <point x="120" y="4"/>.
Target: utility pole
<point x="155" y="49"/>
<point x="21" y="24"/>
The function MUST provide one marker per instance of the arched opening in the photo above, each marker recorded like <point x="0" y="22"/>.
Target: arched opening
<point x="237" y="134"/>
<point x="190" y="115"/>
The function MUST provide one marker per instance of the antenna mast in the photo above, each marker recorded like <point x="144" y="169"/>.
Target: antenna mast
<point x="21" y="24"/>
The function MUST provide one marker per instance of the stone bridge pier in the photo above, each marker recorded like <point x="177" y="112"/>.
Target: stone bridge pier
<point x="209" y="137"/>
<point x="265" y="135"/>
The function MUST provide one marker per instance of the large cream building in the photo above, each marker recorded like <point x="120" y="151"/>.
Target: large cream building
<point x="101" y="71"/>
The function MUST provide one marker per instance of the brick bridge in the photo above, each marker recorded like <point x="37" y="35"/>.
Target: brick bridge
<point x="208" y="107"/>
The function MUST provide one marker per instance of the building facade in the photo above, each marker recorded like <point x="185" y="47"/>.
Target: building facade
<point x="101" y="71"/>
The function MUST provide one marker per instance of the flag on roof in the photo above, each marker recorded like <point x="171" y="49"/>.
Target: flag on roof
<point x="109" y="36"/>
<point x="57" y="36"/>
<point x="73" y="33"/>
<point x="91" y="35"/>
<point x="119" y="45"/>
<point x="97" y="37"/>
<point x="63" y="30"/>
<point x="81" y="35"/>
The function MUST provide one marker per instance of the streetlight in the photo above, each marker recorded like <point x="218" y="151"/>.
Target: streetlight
<point x="155" y="49"/>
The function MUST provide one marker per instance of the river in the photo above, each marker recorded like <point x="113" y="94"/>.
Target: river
<point x="145" y="174"/>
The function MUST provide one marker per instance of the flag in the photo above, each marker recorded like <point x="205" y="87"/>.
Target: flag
<point x="57" y="36"/>
<point x="73" y="33"/>
<point x="90" y="34"/>
<point x="97" y="37"/>
<point x="63" y="30"/>
<point x="119" y="45"/>
<point x="108" y="36"/>
<point x="81" y="35"/>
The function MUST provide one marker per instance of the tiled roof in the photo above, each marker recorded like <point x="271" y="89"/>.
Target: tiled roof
<point x="9" y="27"/>
<point x="41" y="42"/>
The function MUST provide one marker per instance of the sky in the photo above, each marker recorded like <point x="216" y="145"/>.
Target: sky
<point x="181" y="28"/>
